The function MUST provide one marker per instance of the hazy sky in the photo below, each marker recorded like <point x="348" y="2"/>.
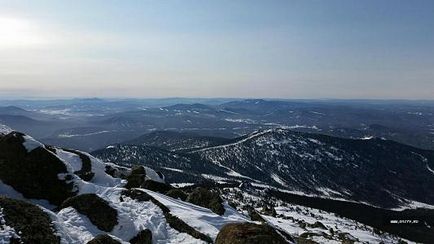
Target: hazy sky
<point x="286" y="49"/>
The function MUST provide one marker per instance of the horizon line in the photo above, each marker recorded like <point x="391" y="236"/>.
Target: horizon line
<point x="42" y="98"/>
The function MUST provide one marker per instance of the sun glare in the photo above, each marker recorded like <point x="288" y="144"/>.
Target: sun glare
<point x="16" y="33"/>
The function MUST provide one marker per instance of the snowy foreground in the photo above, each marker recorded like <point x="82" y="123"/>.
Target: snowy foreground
<point x="134" y="216"/>
<point x="313" y="224"/>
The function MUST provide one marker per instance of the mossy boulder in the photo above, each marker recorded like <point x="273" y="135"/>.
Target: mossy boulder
<point x="143" y="237"/>
<point x="254" y="215"/>
<point x="138" y="170"/>
<point x="156" y="186"/>
<point x="34" y="225"/>
<point x="177" y="194"/>
<point x="116" y="171"/>
<point x="96" y="209"/>
<point x="248" y="233"/>
<point x="217" y="206"/>
<point x="103" y="239"/>
<point x="137" y="177"/>
<point x="34" y="174"/>
<point x="208" y="199"/>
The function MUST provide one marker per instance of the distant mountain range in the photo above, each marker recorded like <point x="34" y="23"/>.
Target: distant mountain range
<point x="409" y="124"/>
<point x="91" y="124"/>
<point x="380" y="172"/>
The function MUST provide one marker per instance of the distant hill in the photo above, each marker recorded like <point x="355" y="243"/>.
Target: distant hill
<point x="177" y="167"/>
<point x="407" y="122"/>
<point x="176" y="141"/>
<point x="13" y="110"/>
<point x="380" y="172"/>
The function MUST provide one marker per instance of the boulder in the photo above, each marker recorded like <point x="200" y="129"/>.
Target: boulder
<point x="208" y="199"/>
<point x="137" y="177"/>
<point x="103" y="239"/>
<point x="143" y="237"/>
<point x="177" y="194"/>
<point x="254" y="215"/>
<point x="34" y="173"/>
<point x="248" y="233"/>
<point x="96" y="209"/>
<point x="156" y="186"/>
<point x="34" y="225"/>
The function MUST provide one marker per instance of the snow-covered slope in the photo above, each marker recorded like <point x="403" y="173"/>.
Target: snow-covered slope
<point x="94" y="193"/>
<point x="198" y="217"/>
<point x="133" y="215"/>
<point x="356" y="170"/>
<point x="361" y="170"/>
<point x="307" y="223"/>
<point x="300" y="221"/>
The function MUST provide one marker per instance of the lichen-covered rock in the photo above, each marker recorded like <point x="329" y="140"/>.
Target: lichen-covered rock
<point x="34" y="173"/>
<point x="177" y="194"/>
<point x="96" y="209"/>
<point x="248" y="233"/>
<point x="103" y="239"/>
<point x="208" y="199"/>
<point x="254" y="215"/>
<point x="117" y="171"/>
<point x="143" y="237"/>
<point x="136" y="178"/>
<point x="156" y="186"/>
<point x="30" y="221"/>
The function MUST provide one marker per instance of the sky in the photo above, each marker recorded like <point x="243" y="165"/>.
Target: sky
<point x="374" y="49"/>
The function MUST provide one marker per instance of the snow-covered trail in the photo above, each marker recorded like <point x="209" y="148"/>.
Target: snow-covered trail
<point x="202" y="219"/>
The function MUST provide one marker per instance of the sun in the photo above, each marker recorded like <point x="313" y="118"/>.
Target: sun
<point x="19" y="32"/>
